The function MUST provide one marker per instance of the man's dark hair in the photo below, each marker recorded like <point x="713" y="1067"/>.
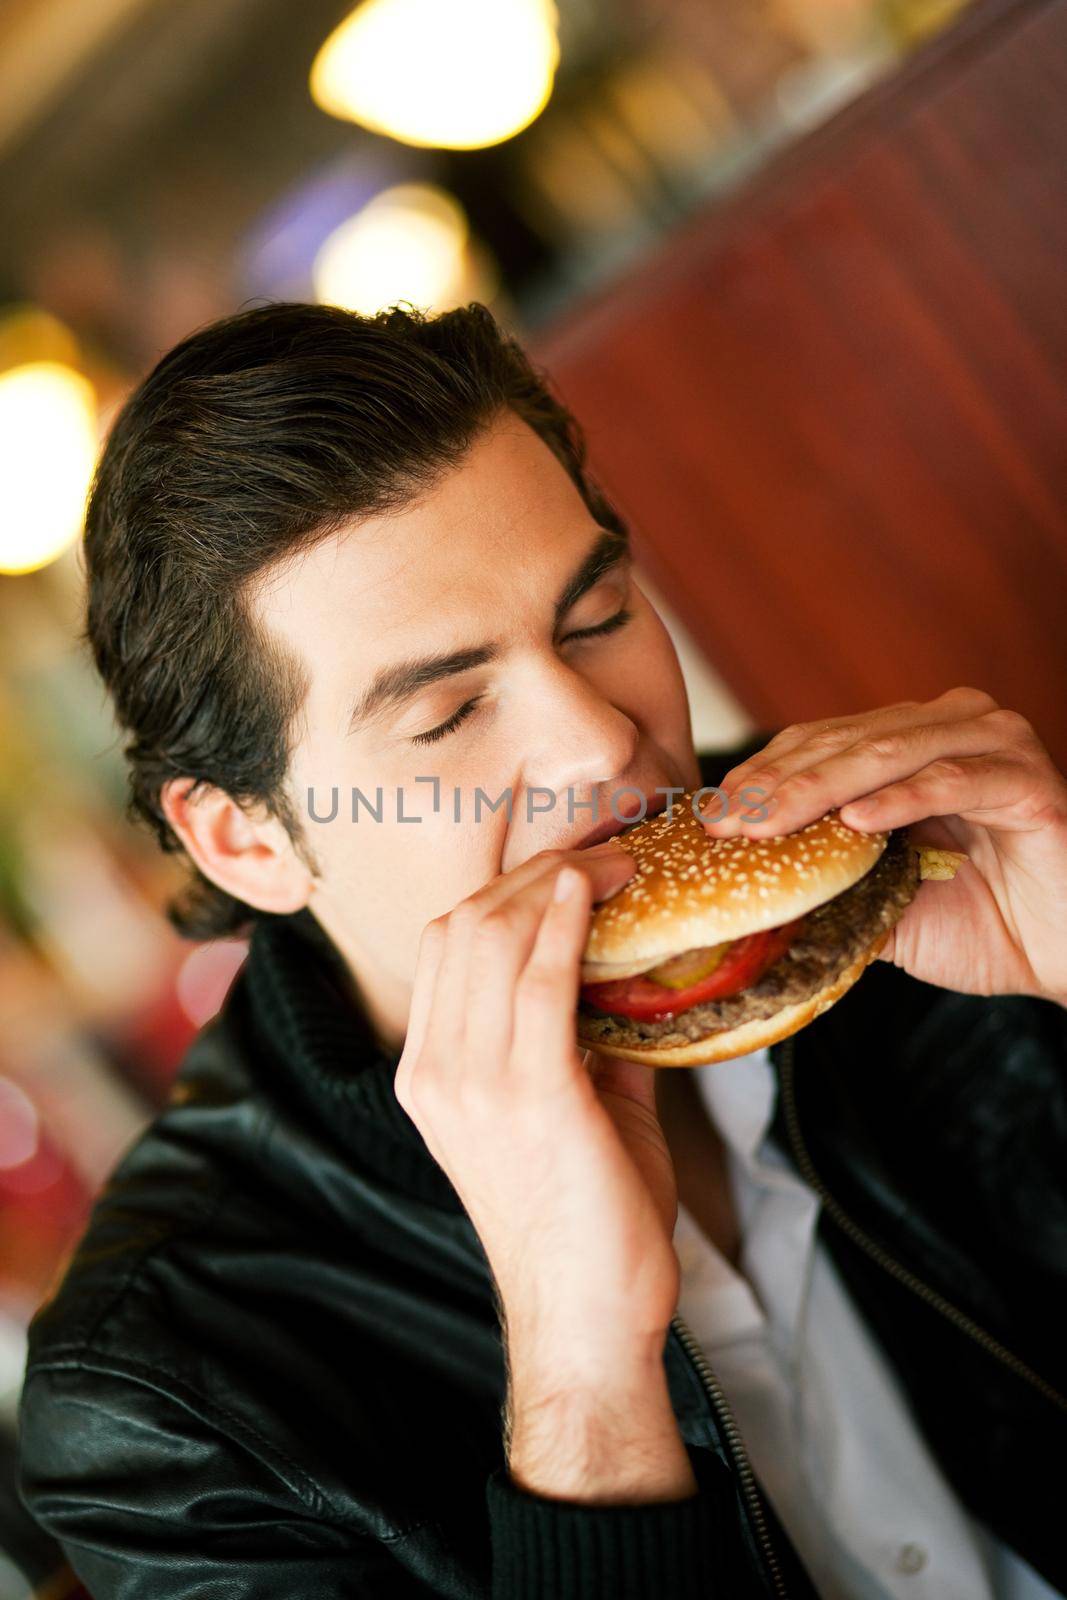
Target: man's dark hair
<point x="252" y="439"/>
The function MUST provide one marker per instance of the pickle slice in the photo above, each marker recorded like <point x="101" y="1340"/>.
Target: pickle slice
<point x="688" y="968"/>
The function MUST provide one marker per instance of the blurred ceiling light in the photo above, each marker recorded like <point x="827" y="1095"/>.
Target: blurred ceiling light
<point x="48" y="447"/>
<point x="27" y="333"/>
<point x="458" y="74"/>
<point x="408" y="243"/>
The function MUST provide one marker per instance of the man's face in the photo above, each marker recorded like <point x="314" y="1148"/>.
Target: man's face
<point x="478" y="565"/>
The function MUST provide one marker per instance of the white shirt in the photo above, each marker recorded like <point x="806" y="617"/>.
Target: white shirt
<point x="824" y="1418"/>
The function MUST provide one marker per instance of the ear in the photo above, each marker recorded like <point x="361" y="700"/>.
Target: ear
<point x="248" y="855"/>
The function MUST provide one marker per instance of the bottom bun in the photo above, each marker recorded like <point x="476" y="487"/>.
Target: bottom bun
<point x="727" y="1043"/>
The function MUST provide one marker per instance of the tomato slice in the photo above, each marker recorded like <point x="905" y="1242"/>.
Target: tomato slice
<point x="745" y="961"/>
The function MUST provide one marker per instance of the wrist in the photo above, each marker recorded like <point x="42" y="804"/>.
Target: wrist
<point x="615" y="1441"/>
<point x="548" y="1364"/>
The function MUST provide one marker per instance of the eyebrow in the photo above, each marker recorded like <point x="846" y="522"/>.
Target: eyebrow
<point x="393" y="686"/>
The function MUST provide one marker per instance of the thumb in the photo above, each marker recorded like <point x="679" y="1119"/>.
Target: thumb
<point x="631" y="1080"/>
<point x="627" y="1092"/>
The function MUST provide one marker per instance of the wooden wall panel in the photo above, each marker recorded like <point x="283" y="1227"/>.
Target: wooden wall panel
<point x="835" y="407"/>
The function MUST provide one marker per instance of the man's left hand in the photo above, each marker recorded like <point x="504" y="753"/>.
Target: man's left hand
<point x="962" y="773"/>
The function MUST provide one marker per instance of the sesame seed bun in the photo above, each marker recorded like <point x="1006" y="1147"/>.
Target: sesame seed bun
<point x="691" y="889"/>
<point x="844" y="889"/>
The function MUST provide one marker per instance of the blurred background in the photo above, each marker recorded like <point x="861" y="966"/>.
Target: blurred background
<point x="796" y="264"/>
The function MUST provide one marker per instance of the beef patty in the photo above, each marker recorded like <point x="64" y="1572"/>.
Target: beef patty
<point x="827" y="943"/>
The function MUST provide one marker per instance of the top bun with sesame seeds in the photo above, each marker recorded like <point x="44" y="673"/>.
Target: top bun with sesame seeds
<point x="716" y="946"/>
<point x="693" y="889"/>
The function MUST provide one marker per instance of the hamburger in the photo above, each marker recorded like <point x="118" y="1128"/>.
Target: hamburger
<point x="718" y="946"/>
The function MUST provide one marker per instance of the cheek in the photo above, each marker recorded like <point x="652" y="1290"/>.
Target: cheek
<point x="395" y="876"/>
<point x="651" y="686"/>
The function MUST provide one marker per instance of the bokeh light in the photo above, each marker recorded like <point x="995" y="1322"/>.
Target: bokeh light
<point x="48" y="447"/>
<point x="408" y="243"/>
<point x="459" y="74"/>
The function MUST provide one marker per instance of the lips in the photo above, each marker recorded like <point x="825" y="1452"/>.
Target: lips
<point x="612" y="825"/>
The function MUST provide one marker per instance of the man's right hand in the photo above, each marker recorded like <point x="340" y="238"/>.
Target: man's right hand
<point x="560" y="1162"/>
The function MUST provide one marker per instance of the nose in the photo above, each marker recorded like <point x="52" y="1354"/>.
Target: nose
<point x="577" y="739"/>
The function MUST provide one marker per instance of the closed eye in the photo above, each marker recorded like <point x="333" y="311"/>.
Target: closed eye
<point x="619" y="620"/>
<point x="443" y="729"/>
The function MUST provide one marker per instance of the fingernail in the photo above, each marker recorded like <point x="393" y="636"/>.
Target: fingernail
<point x="605" y="892"/>
<point x="714" y="815"/>
<point x="566" y="883"/>
<point x="716" y="800"/>
<point x="861" y="808"/>
<point x="714" y="812"/>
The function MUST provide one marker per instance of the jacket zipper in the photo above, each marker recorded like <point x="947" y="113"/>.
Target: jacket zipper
<point x="735" y="1444"/>
<point x="875" y="1251"/>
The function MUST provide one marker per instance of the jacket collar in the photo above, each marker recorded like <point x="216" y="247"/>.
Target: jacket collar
<point x="314" y="1035"/>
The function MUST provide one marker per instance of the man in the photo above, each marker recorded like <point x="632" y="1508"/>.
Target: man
<point x="384" y="1303"/>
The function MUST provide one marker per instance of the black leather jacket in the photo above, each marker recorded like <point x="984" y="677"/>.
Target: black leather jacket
<point x="273" y="1366"/>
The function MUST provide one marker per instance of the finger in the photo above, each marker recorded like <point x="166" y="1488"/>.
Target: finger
<point x="607" y="872"/>
<point x="464" y="952"/>
<point x="871" y="764"/>
<point x="803" y="744"/>
<point x="486" y="945"/>
<point x="504" y="938"/>
<point x="831" y="730"/>
<point x="995" y="791"/>
<point x="546" y="863"/>
<point x="500" y="949"/>
<point x="631" y="1080"/>
<point x="828" y="781"/>
<point x="608" y="867"/>
<point x="431" y="951"/>
<point x="546" y="995"/>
